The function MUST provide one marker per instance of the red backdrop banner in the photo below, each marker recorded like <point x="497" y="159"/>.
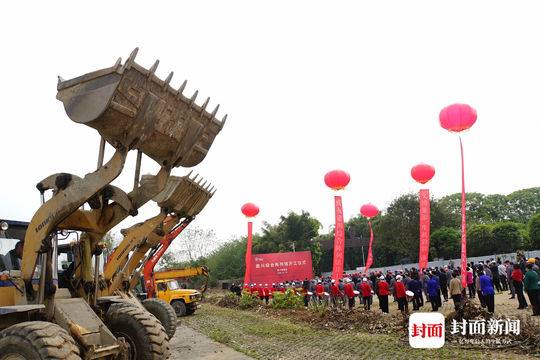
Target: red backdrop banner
<point x="280" y="267"/>
<point x="423" y="254"/>
<point x="339" y="241"/>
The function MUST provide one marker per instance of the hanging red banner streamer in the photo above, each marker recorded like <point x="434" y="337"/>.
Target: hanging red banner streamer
<point x="339" y="241"/>
<point x="369" y="260"/>
<point x="247" y="275"/>
<point x="423" y="253"/>
<point x="463" y="222"/>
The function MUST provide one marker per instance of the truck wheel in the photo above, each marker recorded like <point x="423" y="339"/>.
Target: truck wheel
<point x="37" y="340"/>
<point x="143" y="333"/>
<point x="164" y="313"/>
<point x="179" y="307"/>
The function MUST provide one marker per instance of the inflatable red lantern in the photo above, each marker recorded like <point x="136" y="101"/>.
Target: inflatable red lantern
<point x="337" y="179"/>
<point x="369" y="211"/>
<point x="422" y="173"/>
<point x="250" y="210"/>
<point x="457" y="117"/>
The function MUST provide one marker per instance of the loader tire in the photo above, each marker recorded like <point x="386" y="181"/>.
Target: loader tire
<point x="37" y="340"/>
<point x="164" y="313"/>
<point x="144" y="334"/>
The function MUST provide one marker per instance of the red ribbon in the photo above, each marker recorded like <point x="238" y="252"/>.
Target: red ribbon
<point x="463" y="222"/>
<point x="247" y="275"/>
<point x="339" y="241"/>
<point x="369" y="260"/>
<point x="423" y="251"/>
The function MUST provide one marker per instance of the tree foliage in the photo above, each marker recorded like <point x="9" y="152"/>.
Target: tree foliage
<point x="445" y="243"/>
<point x="534" y="232"/>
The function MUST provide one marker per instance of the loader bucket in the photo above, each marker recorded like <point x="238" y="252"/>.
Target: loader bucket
<point x="131" y="108"/>
<point x="184" y="196"/>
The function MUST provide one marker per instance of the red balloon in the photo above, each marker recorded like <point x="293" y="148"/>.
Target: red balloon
<point x="250" y="210"/>
<point x="457" y="117"/>
<point x="337" y="179"/>
<point x="369" y="210"/>
<point x="422" y="173"/>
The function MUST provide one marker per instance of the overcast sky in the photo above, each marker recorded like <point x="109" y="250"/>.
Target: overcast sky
<point x="309" y="86"/>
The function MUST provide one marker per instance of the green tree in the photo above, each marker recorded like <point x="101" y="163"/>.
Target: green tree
<point x="480" y="240"/>
<point x="534" y="231"/>
<point x="445" y="243"/>
<point x="228" y="261"/>
<point x="507" y="237"/>
<point x="293" y="232"/>
<point x="523" y="204"/>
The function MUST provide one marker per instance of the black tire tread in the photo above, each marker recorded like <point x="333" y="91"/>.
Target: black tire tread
<point x="164" y="312"/>
<point x="49" y="340"/>
<point x="147" y="327"/>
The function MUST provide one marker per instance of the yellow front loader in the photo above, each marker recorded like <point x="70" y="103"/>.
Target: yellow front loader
<point x="180" y="202"/>
<point x="131" y="109"/>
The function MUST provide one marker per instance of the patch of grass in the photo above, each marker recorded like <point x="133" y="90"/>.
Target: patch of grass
<point x="219" y="335"/>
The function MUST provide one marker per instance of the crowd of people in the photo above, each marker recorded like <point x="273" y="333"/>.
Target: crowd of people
<point x="412" y="286"/>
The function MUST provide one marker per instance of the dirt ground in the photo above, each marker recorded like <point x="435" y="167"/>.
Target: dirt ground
<point x="260" y="336"/>
<point x="189" y="344"/>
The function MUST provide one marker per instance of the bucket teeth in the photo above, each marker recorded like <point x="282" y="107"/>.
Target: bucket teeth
<point x="60" y="79"/>
<point x="192" y="100"/>
<point x="215" y="111"/>
<point x="130" y="59"/>
<point x="223" y="121"/>
<point x="168" y="79"/>
<point x="181" y="88"/>
<point x="118" y="63"/>
<point x="153" y="68"/>
<point x="205" y="104"/>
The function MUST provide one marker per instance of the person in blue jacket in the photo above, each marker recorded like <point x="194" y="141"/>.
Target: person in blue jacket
<point x="415" y="286"/>
<point x="433" y="290"/>
<point x="486" y="286"/>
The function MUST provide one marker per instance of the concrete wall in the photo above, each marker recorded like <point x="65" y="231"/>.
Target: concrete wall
<point x="439" y="263"/>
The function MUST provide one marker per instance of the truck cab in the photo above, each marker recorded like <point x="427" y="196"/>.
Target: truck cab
<point x="184" y="301"/>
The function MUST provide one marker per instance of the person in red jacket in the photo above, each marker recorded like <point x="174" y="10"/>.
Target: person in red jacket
<point x="401" y="296"/>
<point x="254" y="290"/>
<point x="260" y="291"/>
<point x="517" y="281"/>
<point x="365" y="291"/>
<point x="349" y="292"/>
<point x="319" y="289"/>
<point x="336" y="294"/>
<point x="383" y="292"/>
<point x="266" y="293"/>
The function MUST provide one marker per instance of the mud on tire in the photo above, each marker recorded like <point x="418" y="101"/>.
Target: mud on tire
<point x="143" y="333"/>
<point x="164" y="313"/>
<point x="38" y="340"/>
